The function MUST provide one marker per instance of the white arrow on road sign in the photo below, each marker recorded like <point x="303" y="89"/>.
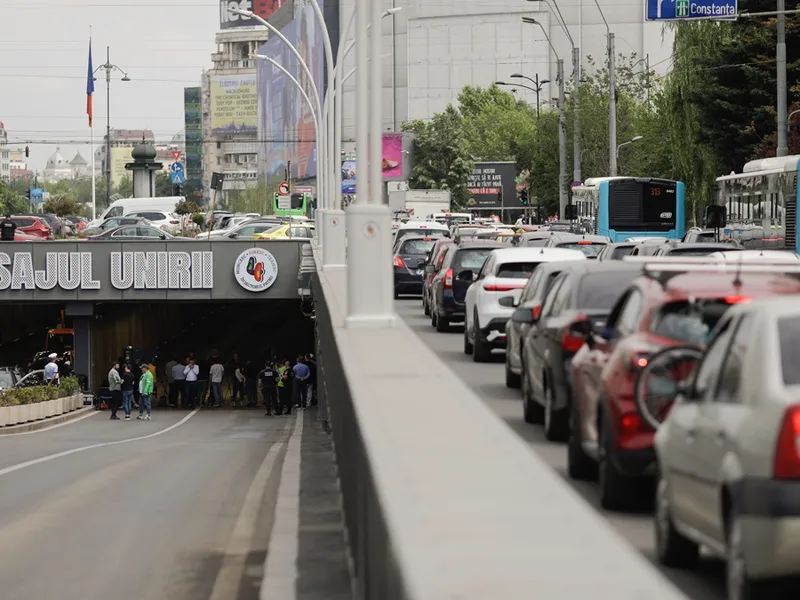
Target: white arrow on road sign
<point x="176" y="167"/>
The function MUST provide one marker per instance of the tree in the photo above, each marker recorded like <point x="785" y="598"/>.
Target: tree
<point x="125" y="187"/>
<point x="186" y="207"/>
<point x="62" y="205"/>
<point x="11" y="202"/>
<point x="163" y="184"/>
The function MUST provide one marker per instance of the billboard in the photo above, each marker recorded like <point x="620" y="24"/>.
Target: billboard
<point x="492" y="185"/>
<point x="262" y="8"/>
<point x="349" y="177"/>
<point x="193" y="123"/>
<point x="233" y="104"/>
<point x="119" y="158"/>
<point x="392" y="157"/>
<point x="285" y="121"/>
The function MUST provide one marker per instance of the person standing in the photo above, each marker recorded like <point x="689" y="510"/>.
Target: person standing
<point x="65" y="369"/>
<point x="145" y="393"/>
<point x="301" y="376"/>
<point x="192" y="373"/>
<point x="268" y="380"/>
<point x="237" y="379"/>
<point x="170" y="378"/>
<point x="285" y="388"/>
<point x="7" y="229"/>
<point x="216" y="373"/>
<point x="128" y="381"/>
<point x="178" y="386"/>
<point x="51" y="370"/>
<point x="115" y="388"/>
<point x="312" y="381"/>
<point x="251" y="383"/>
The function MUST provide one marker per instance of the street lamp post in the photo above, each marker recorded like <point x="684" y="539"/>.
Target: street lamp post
<point x="109" y="68"/>
<point x="634" y="139"/>
<point x="536" y="84"/>
<point x="612" y="98"/>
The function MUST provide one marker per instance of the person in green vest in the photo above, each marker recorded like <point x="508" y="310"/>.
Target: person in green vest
<point x="284" y="389"/>
<point x="145" y="393"/>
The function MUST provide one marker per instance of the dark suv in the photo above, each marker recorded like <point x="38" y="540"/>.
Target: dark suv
<point x="409" y="261"/>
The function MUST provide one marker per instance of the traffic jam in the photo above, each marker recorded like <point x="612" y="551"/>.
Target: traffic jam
<point x="664" y="368"/>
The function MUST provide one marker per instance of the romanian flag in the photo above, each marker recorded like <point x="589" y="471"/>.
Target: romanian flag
<point x="89" y="85"/>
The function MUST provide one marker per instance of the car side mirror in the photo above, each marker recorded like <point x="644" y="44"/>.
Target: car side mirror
<point x="507" y="301"/>
<point x="523" y="315"/>
<point x="233" y="236"/>
<point x="429" y="270"/>
<point x="466" y="275"/>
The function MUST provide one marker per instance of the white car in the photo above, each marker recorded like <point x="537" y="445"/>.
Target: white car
<point x="504" y="273"/>
<point x="423" y="228"/>
<point x="165" y="221"/>
<point x="225" y="224"/>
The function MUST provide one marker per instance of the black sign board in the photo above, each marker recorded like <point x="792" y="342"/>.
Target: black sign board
<point x="492" y="186"/>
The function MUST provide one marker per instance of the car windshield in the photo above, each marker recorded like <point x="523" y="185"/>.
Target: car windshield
<point x="472" y="259"/>
<point x="789" y="337"/>
<point x="417" y="247"/>
<point x="516" y="270"/>
<point x="601" y="290"/>
<point x="6" y="380"/>
<point x="689" y="322"/>
<point x="619" y="252"/>
<point x="590" y="249"/>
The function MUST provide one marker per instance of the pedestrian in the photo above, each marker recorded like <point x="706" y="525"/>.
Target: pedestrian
<point x="7" y="229"/>
<point x="312" y="382"/>
<point x="51" y="370"/>
<point x="285" y="388"/>
<point x="145" y="393"/>
<point x="238" y="384"/>
<point x="268" y="380"/>
<point x="301" y="376"/>
<point x="65" y="369"/>
<point x="137" y="373"/>
<point x="128" y="381"/>
<point x="178" y="386"/>
<point x="251" y="383"/>
<point x="216" y="372"/>
<point x="115" y="388"/>
<point x="192" y="372"/>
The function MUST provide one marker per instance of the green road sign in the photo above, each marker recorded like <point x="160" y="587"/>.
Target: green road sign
<point x="682" y="8"/>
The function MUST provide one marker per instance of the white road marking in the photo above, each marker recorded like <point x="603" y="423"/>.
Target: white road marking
<point x="49" y="457"/>
<point x="229" y="577"/>
<point x="280" y="568"/>
<point x="70" y="422"/>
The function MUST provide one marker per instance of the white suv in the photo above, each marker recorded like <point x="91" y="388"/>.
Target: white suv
<point x="504" y="273"/>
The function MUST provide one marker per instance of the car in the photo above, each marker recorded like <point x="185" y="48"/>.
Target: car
<point x="616" y="251"/>
<point x="224" y="223"/>
<point x="767" y="256"/>
<point x="646" y="238"/>
<point x="132" y="233"/>
<point x="288" y="231"/>
<point x="9" y="376"/>
<point x="409" y="260"/>
<point x="675" y="248"/>
<point x="449" y="291"/>
<point x="249" y="229"/>
<point x="466" y="232"/>
<point x="667" y="306"/>
<point x="581" y="297"/>
<point x="590" y="245"/>
<point x="165" y="221"/>
<point x="419" y="228"/>
<point x="52" y="220"/>
<point x="504" y="273"/>
<point x="433" y="264"/>
<point x="647" y="247"/>
<point x="34" y="226"/>
<point x="113" y="223"/>
<point x="697" y="235"/>
<point x="24" y="237"/>
<point x="728" y="457"/>
<point x="31" y="379"/>
<point x="526" y="310"/>
<point x="535" y="239"/>
<point x="505" y="236"/>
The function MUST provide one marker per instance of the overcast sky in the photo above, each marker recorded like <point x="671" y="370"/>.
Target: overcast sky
<point x="163" y="45"/>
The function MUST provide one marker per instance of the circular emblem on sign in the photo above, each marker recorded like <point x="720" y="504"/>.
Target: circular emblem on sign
<point x="283" y="188"/>
<point x="255" y="269"/>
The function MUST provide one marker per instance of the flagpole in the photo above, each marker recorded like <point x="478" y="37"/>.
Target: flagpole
<point x="91" y="141"/>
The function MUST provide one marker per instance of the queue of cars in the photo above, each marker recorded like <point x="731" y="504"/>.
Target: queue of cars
<point x="666" y="366"/>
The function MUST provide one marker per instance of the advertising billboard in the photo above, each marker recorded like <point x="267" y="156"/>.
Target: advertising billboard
<point x="392" y="157"/>
<point x="285" y="121"/>
<point x="193" y="123"/>
<point x="492" y="186"/>
<point x="119" y="158"/>
<point x="349" y="177"/>
<point x="234" y="104"/>
<point x="265" y="9"/>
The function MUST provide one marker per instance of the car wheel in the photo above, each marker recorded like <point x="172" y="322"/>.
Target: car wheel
<point x="481" y="352"/>
<point x="467" y="343"/>
<point x="556" y="422"/>
<point x="740" y="585"/>
<point x="615" y="489"/>
<point x="425" y="306"/>
<point x="579" y="465"/>
<point x="532" y="411"/>
<point x="512" y="379"/>
<point x="672" y="548"/>
<point x="433" y="318"/>
<point x="442" y="324"/>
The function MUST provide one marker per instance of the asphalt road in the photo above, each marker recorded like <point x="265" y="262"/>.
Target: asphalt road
<point x="91" y="510"/>
<point x="487" y="380"/>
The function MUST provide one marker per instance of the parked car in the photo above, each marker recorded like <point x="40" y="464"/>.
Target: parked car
<point x="675" y="248"/>
<point x="132" y="233"/>
<point x="581" y="297"/>
<point x="249" y="229"/>
<point x="409" y="260"/>
<point x="664" y="308"/>
<point x="433" y="263"/>
<point x="535" y="239"/>
<point x="9" y="376"/>
<point x="288" y="231"/>
<point x="34" y="226"/>
<point x="52" y="220"/>
<point x="616" y="251"/>
<point x="590" y="245"/>
<point x="430" y="229"/>
<point x="113" y="223"/>
<point x="163" y="220"/>
<point x="448" y="292"/>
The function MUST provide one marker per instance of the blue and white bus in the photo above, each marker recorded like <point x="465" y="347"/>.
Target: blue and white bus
<point x="761" y="203"/>
<point x="625" y="207"/>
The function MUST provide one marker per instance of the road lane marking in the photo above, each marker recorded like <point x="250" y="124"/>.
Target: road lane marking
<point x="49" y="457"/>
<point x="280" y="568"/>
<point x="229" y="578"/>
<point x="70" y="422"/>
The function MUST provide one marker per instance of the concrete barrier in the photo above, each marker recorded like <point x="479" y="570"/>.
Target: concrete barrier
<point x="37" y="411"/>
<point x="441" y="499"/>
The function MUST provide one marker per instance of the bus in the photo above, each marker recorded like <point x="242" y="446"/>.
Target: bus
<point x="301" y="205"/>
<point x="761" y="204"/>
<point x="624" y="207"/>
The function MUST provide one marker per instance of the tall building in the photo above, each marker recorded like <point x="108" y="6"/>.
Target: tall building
<point x="5" y="166"/>
<point x="229" y="128"/>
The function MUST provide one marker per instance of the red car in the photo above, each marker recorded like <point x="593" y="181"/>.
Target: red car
<point x="24" y="237"/>
<point x="608" y="439"/>
<point x="35" y="226"/>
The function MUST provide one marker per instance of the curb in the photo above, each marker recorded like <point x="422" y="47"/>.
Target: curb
<point x="44" y="423"/>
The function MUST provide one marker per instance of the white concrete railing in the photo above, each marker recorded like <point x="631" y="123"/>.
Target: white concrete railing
<point x="441" y="499"/>
<point x="36" y="411"/>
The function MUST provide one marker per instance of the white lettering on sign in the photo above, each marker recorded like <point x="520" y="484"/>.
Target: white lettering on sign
<point x="67" y="270"/>
<point x="162" y="270"/>
<point x="225" y="6"/>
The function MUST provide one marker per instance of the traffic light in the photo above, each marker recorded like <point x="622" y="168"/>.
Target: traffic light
<point x="27" y="152"/>
<point x="177" y="189"/>
<point x="523" y="197"/>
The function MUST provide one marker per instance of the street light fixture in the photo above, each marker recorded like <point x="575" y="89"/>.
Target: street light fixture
<point x="108" y="68"/>
<point x="633" y="140"/>
<point x="537" y="83"/>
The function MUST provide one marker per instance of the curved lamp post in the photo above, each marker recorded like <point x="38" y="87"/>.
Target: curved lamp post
<point x="633" y="140"/>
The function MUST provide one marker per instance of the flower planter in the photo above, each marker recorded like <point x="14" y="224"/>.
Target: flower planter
<point x="24" y="413"/>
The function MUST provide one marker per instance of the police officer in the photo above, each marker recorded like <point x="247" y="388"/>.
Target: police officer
<point x="7" y="229"/>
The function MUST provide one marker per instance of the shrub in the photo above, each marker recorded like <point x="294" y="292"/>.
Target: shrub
<point x="40" y="393"/>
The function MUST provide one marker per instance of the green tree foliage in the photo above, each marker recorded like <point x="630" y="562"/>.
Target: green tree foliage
<point x="11" y="201"/>
<point x="62" y="205"/>
<point x="163" y="185"/>
<point x="125" y="187"/>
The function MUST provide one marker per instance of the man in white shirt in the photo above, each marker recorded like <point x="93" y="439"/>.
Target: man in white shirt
<point x="51" y="370"/>
<point x="192" y="372"/>
<point x="217" y="372"/>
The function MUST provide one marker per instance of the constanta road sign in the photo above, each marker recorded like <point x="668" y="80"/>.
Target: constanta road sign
<point x="671" y="10"/>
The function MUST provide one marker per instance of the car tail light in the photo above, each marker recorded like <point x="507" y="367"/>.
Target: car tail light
<point x="427" y="239"/>
<point x="173" y="222"/>
<point x="638" y="360"/>
<point x="398" y="262"/>
<point x="787" y="451"/>
<point x="499" y="287"/>
<point x="584" y="243"/>
<point x="570" y="341"/>
<point x="630" y="424"/>
<point x="448" y="279"/>
<point x="536" y="311"/>
<point x="736" y="299"/>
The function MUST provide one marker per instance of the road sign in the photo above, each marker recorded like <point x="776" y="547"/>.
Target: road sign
<point x="284" y="202"/>
<point x="575" y="184"/>
<point x="676" y="10"/>
<point x="176" y="176"/>
<point x="176" y="167"/>
<point x="283" y="188"/>
<point x="176" y="154"/>
<point x="37" y="195"/>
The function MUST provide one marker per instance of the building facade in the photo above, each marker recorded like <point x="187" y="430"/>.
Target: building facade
<point x="18" y="164"/>
<point x="5" y="163"/>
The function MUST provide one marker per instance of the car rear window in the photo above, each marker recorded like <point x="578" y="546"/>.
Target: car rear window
<point x="601" y="290"/>
<point x="708" y="236"/>
<point x="619" y="252"/>
<point x="695" y="251"/>
<point x="588" y="248"/>
<point x="437" y="233"/>
<point x="789" y="337"/>
<point x="23" y="222"/>
<point x="472" y="259"/>
<point x="420" y="247"/>
<point x="689" y="322"/>
<point x="536" y="243"/>
<point x="516" y="270"/>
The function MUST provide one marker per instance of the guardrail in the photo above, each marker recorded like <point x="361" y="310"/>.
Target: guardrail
<point x="441" y="499"/>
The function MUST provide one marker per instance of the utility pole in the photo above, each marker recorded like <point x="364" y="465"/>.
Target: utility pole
<point x="562" y="142"/>
<point x="576" y="119"/>
<point x="783" y="121"/>
<point x="612" y="109"/>
<point x="109" y="68"/>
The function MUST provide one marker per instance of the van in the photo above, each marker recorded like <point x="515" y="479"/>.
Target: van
<point x="126" y="206"/>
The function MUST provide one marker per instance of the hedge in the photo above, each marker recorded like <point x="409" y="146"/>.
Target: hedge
<point x="69" y="386"/>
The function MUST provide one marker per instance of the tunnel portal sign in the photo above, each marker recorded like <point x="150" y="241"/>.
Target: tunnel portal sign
<point x="129" y="270"/>
<point x="255" y="269"/>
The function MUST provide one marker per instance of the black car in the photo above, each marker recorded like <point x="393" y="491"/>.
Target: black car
<point x="133" y="233"/>
<point x="432" y="265"/>
<point x="409" y="260"/>
<point x="113" y="223"/>
<point x="447" y="290"/>
<point x="581" y="297"/>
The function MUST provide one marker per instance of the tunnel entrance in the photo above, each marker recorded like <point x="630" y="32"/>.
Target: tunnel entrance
<point x="158" y="332"/>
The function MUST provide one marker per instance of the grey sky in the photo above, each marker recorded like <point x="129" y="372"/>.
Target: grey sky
<point x="162" y="44"/>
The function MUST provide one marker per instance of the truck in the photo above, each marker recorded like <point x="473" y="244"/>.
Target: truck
<point x="420" y="204"/>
